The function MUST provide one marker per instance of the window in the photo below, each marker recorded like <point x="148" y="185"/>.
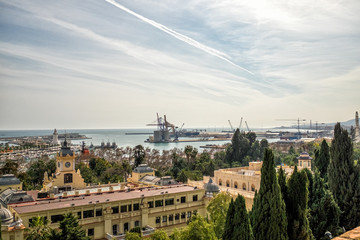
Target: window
<point x="235" y="185"/>
<point x="129" y="208"/>
<point x="195" y="212"/>
<point x="79" y="215"/>
<point x="171" y="217"/>
<point x="68" y="178"/>
<point x="137" y="223"/>
<point x="115" y="229"/>
<point x="244" y="186"/>
<point x="183" y="215"/>
<point x="159" y="203"/>
<point x="126" y="227"/>
<point x="183" y="200"/>
<point x="164" y="218"/>
<point x="253" y="187"/>
<point x="177" y="216"/>
<point x="151" y="204"/>
<point x="169" y="201"/>
<point x="220" y="182"/>
<point x="90" y="232"/>
<point x="124" y="208"/>
<point x="56" y="218"/>
<point x="157" y="220"/>
<point x="227" y="183"/>
<point x="189" y="214"/>
<point x="195" y="198"/>
<point x="88" y="214"/>
<point x="115" y="210"/>
<point x="136" y="207"/>
<point x="99" y="212"/>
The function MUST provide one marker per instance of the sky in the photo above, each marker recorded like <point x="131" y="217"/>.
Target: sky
<point x="74" y="64"/>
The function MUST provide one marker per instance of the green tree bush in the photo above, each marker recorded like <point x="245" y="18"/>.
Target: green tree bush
<point x="268" y="214"/>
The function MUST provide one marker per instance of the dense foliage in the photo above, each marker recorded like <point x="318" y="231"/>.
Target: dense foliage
<point x="217" y="209"/>
<point x="69" y="229"/>
<point x="268" y="214"/>
<point x="297" y="206"/>
<point x="344" y="178"/>
<point x="324" y="211"/>
<point x="237" y="221"/>
<point x="244" y="148"/>
<point x="322" y="159"/>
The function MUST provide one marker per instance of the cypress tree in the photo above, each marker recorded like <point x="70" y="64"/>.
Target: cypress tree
<point x="229" y="224"/>
<point x="324" y="210"/>
<point x="282" y="183"/>
<point x="297" y="206"/>
<point x="322" y="159"/>
<point x="268" y="214"/>
<point x="343" y="178"/>
<point x="241" y="223"/>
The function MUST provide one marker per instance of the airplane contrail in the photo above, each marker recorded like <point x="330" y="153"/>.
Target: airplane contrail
<point x="180" y="36"/>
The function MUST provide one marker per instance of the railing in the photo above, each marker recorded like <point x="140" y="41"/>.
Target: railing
<point x="146" y="232"/>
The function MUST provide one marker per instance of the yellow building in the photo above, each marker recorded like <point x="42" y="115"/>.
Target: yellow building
<point x="141" y="171"/>
<point x="304" y="161"/>
<point x="243" y="180"/>
<point x="65" y="177"/>
<point x="109" y="214"/>
<point x="11" y="228"/>
<point x="10" y="181"/>
<point x="108" y="211"/>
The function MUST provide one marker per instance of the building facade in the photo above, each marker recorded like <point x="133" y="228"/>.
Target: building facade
<point x="65" y="177"/>
<point x="110" y="214"/>
<point x="304" y="161"/>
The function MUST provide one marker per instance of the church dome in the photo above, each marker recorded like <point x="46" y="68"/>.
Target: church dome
<point x="211" y="187"/>
<point x="6" y="216"/>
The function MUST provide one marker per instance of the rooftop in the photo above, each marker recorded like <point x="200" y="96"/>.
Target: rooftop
<point x="143" y="168"/>
<point x="73" y="201"/>
<point x="9" y="179"/>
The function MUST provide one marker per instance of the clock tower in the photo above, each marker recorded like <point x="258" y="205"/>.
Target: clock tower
<point x="65" y="178"/>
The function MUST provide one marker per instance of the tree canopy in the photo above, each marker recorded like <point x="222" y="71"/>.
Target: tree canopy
<point x="268" y="214"/>
<point x="344" y="178"/>
<point x="218" y="208"/>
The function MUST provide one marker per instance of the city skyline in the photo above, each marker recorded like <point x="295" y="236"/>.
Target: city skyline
<point x="115" y="64"/>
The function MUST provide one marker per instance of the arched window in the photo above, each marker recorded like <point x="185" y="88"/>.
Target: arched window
<point x="253" y="187"/>
<point x="220" y="182"/>
<point x="244" y="186"/>
<point x="235" y="185"/>
<point x="68" y="178"/>
<point x="227" y="183"/>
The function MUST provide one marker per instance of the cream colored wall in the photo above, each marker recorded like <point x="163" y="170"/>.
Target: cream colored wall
<point x="14" y="186"/>
<point x="136" y="176"/>
<point x="234" y="178"/>
<point x="61" y="169"/>
<point x="145" y="215"/>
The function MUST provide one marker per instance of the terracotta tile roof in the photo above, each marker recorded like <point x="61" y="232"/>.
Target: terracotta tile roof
<point x="38" y="206"/>
<point x="352" y="234"/>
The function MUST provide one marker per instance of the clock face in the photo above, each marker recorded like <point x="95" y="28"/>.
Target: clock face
<point x="67" y="164"/>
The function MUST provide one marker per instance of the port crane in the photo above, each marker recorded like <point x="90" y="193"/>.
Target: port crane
<point x="240" y="123"/>
<point x="247" y="126"/>
<point x="231" y="127"/>
<point x="293" y="120"/>
<point x="163" y="125"/>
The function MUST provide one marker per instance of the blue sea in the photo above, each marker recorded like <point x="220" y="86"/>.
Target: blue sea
<point x="96" y="136"/>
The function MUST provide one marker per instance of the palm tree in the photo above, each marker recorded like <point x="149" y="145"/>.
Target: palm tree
<point x="38" y="229"/>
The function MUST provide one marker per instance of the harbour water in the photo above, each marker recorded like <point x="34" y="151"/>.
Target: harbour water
<point x="96" y="136"/>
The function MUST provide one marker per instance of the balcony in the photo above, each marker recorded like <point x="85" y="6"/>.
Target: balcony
<point x="145" y="231"/>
